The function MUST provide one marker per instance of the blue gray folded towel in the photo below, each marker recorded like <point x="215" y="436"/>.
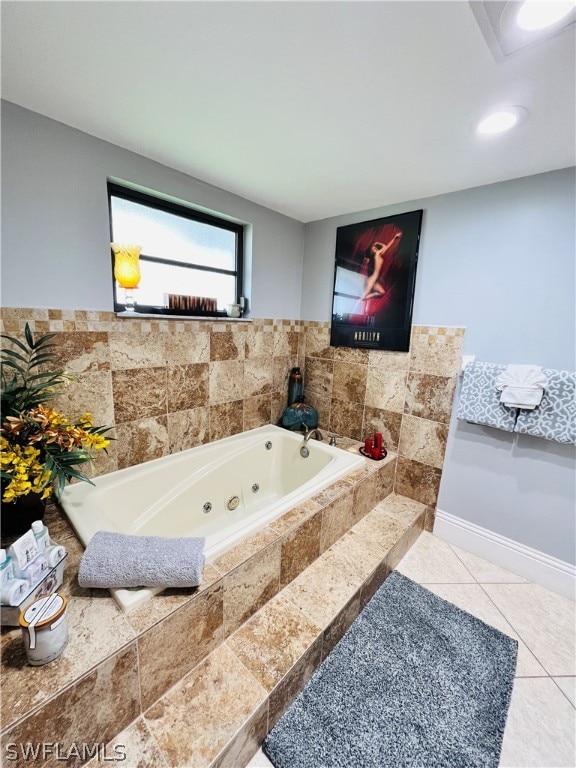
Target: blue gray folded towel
<point x="118" y="560"/>
<point x="479" y="400"/>
<point x="555" y="417"/>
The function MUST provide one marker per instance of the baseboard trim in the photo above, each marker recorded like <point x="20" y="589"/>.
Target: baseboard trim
<point x="550" y="572"/>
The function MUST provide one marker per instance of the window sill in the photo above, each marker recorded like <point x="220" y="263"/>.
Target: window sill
<point x="196" y="318"/>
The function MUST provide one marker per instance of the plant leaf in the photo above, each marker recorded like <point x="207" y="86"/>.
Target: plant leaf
<point x="40" y="359"/>
<point x="45" y="339"/>
<point x="28" y="335"/>
<point x="48" y="375"/>
<point x="15" y="341"/>
<point x="12" y="364"/>
<point x="13" y="353"/>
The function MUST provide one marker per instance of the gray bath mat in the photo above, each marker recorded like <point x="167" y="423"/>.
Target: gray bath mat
<point x="414" y="682"/>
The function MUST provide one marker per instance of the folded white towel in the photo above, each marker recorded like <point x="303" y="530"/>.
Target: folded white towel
<point x="522" y="386"/>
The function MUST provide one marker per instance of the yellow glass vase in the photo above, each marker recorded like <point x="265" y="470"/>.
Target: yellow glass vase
<point x="127" y="270"/>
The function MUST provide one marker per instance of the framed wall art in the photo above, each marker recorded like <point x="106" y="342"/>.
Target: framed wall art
<point x="374" y="279"/>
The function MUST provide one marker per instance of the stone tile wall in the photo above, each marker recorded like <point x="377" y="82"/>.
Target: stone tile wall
<point x="168" y="385"/>
<point x="408" y="396"/>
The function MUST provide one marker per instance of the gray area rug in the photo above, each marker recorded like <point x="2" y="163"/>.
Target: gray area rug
<point x="414" y="682"/>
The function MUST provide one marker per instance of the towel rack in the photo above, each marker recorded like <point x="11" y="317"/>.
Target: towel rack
<point x="466" y="359"/>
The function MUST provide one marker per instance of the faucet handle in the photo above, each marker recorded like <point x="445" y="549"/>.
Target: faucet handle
<point x="332" y="440"/>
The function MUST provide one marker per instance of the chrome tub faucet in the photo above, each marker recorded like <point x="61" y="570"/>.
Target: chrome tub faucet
<point x="309" y="433"/>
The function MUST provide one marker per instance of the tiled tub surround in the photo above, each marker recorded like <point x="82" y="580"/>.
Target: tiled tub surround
<point x="117" y="667"/>
<point x="168" y="385"/>
<point x="407" y="396"/>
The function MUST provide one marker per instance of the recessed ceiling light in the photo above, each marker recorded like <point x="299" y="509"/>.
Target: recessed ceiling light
<point x="539" y="15"/>
<point x="501" y="120"/>
<point x="500" y="22"/>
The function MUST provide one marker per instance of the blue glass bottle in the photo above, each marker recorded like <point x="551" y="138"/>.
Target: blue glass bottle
<point x="295" y="386"/>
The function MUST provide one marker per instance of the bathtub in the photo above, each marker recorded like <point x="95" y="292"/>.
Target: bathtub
<point x="223" y="491"/>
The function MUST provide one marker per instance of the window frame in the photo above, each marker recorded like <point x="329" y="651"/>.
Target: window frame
<point x="192" y="214"/>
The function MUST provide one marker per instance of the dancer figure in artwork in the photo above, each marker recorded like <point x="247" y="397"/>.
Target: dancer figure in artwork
<point x="373" y="287"/>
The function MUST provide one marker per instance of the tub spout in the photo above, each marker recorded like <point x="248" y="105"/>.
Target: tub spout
<point x="308" y="433"/>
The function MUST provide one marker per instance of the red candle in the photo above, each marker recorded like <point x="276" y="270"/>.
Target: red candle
<point x="368" y="445"/>
<point x="377" y="440"/>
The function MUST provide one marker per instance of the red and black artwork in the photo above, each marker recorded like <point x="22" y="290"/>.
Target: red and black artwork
<point x="374" y="282"/>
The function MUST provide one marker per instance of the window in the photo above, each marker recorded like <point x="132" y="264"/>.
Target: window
<point x="184" y="251"/>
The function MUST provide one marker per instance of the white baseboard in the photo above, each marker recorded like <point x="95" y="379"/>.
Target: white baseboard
<point x="532" y="564"/>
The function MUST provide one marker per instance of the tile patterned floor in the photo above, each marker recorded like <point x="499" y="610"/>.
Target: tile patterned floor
<point x="541" y="726"/>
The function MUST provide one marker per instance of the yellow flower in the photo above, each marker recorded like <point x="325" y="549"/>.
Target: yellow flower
<point x="41" y="426"/>
<point x="35" y="436"/>
<point x="86" y="420"/>
<point x="98" y="442"/>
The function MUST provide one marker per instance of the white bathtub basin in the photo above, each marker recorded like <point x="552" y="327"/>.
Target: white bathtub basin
<point x="189" y="493"/>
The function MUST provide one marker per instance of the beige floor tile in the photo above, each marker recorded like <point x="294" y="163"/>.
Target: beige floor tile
<point x="472" y="599"/>
<point x="432" y="561"/>
<point x="568" y="686"/>
<point x="540" y="727"/>
<point x="544" y="620"/>
<point x="485" y="572"/>
<point x="259" y="761"/>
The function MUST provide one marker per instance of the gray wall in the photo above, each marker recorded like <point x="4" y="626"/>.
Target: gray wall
<point x="55" y="229"/>
<point x="499" y="260"/>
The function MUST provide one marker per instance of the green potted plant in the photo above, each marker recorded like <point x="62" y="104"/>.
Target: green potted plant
<point x="40" y="448"/>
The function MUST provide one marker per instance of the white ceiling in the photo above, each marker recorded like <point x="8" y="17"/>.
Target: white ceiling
<point x="313" y="109"/>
